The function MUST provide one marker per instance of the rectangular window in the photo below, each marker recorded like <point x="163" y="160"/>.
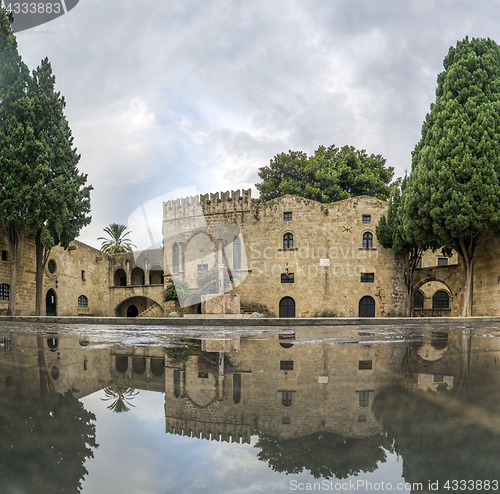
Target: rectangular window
<point x="4" y="255"/>
<point x="4" y="291"/>
<point x="442" y="261"/>
<point x="367" y="219"/>
<point x="287" y="278"/>
<point x="5" y="344"/>
<point x="202" y="267"/>
<point x="362" y="417"/>
<point x="367" y="277"/>
<point x="286" y="365"/>
<point x="365" y="365"/>
<point x="287" y="216"/>
<point x="285" y="420"/>
<point x="203" y="375"/>
<point x="438" y="378"/>
<point x="83" y="275"/>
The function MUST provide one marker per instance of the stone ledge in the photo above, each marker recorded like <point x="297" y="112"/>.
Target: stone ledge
<point x="240" y="321"/>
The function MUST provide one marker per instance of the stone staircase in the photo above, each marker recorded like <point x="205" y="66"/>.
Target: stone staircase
<point x="152" y="311"/>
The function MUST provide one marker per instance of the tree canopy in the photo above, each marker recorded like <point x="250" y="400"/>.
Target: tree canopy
<point x="117" y="241"/>
<point x="454" y="188"/>
<point x="330" y="175"/>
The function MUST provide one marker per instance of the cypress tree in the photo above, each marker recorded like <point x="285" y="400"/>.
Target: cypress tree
<point x="454" y="190"/>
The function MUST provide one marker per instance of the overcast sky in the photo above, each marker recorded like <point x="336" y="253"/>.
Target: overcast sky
<point x="164" y="95"/>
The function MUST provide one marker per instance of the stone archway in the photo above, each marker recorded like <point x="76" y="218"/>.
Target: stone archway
<point x="139" y="306"/>
<point x="435" y="299"/>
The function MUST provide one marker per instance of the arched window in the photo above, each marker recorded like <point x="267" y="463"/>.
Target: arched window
<point x="4" y="291"/>
<point x="120" y="277"/>
<point x="175" y="258"/>
<point x="286" y="398"/>
<point x="83" y="301"/>
<point x="418" y="300"/>
<point x="287" y="241"/>
<point x="441" y="300"/>
<point x="367" y="240"/>
<point x="364" y="399"/>
<point x="237" y="253"/>
<point x="51" y="266"/>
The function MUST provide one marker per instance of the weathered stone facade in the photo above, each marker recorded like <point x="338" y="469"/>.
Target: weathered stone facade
<point x="330" y="249"/>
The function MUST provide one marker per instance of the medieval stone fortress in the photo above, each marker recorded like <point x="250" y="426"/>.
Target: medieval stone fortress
<point x="288" y="257"/>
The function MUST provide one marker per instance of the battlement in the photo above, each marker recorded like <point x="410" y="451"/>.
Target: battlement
<point x="206" y="204"/>
<point x="233" y="433"/>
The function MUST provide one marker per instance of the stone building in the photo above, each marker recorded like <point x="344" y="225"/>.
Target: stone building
<point x="289" y="257"/>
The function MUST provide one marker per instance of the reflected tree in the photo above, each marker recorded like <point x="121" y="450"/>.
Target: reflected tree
<point x="435" y="442"/>
<point x="44" y="444"/>
<point x="121" y="397"/>
<point x="324" y="454"/>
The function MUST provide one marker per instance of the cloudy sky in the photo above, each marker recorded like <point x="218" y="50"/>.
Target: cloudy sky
<point x="164" y="95"/>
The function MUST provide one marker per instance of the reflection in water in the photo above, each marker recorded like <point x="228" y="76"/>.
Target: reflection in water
<point x="325" y="404"/>
<point x="121" y="398"/>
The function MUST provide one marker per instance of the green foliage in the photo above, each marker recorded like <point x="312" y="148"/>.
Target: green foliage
<point x="454" y="187"/>
<point x="435" y="443"/>
<point x="176" y="289"/>
<point x="118" y="241"/>
<point x="177" y="356"/>
<point x="332" y="174"/>
<point x="121" y="397"/>
<point x="324" y="454"/>
<point x="45" y="443"/>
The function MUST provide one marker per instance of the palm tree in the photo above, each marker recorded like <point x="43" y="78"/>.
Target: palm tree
<point x="121" y="397"/>
<point x="118" y="242"/>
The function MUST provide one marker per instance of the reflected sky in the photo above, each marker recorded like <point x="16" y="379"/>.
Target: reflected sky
<point x="279" y="410"/>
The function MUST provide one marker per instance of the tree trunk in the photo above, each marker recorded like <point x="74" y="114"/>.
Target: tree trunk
<point x="466" y="249"/>
<point x="14" y="235"/>
<point x="42" y="255"/>
<point x="409" y="262"/>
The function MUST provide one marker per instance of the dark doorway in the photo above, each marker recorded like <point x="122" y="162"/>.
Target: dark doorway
<point x="50" y="303"/>
<point x="132" y="311"/>
<point x="367" y="307"/>
<point x="287" y="307"/>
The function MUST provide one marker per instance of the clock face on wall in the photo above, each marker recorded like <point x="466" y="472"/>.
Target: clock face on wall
<point x="29" y="14"/>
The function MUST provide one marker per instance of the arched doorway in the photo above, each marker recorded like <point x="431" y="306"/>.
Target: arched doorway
<point x="287" y="307"/>
<point x="132" y="311"/>
<point x="367" y="307"/>
<point x="50" y="303"/>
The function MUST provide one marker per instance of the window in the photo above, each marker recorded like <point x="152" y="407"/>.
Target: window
<point x="4" y="291"/>
<point x="365" y="365"/>
<point x="203" y="375"/>
<point x="4" y="255"/>
<point x="236" y="388"/>
<point x="9" y="381"/>
<point x="5" y="344"/>
<point x="442" y="261"/>
<point x="285" y="420"/>
<point x="83" y="301"/>
<point x="287" y="216"/>
<point x="83" y="275"/>
<point x="440" y="300"/>
<point x="202" y="267"/>
<point x="177" y="383"/>
<point x="287" y="278"/>
<point x="419" y="263"/>
<point x="286" y="365"/>
<point x="237" y="253"/>
<point x="367" y="277"/>
<point x="364" y="399"/>
<point x="175" y="258"/>
<point x="287" y="241"/>
<point x="418" y="300"/>
<point x="51" y="266"/>
<point x="367" y="240"/>
<point x="362" y="417"/>
<point x="438" y="378"/>
<point x="367" y="219"/>
<point x="286" y="398"/>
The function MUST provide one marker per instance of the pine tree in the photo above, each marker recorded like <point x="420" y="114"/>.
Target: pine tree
<point x="454" y="188"/>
